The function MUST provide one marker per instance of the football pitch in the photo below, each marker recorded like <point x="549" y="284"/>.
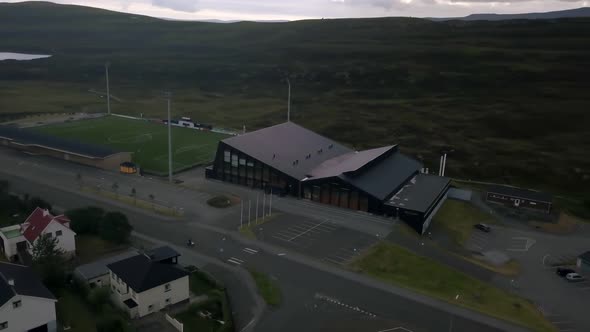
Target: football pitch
<point x="147" y="140"/>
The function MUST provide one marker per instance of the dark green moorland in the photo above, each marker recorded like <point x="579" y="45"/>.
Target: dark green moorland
<point x="510" y="97"/>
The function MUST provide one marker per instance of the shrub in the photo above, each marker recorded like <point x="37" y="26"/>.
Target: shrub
<point x="219" y="201"/>
<point x="98" y="299"/>
<point x="111" y="324"/>
<point x="86" y="220"/>
<point x="115" y="228"/>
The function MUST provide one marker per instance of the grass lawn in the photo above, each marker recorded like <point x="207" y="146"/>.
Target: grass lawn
<point x="268" y="289"/>
<point x="200" y="284"/>
<point x="398" y="266"/>
<point x="90" y="248"/>
<point x="458" y="218"/>
<point x="72" y="311"/>
<point x="194" y="323"/>
<point x="148" y="141"/>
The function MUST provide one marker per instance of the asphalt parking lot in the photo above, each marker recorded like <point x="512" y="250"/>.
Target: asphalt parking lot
<point x="321" y="239"/>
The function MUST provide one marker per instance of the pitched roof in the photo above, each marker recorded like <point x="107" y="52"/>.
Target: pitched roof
<point x="99" y="267"/>
<point x="522" y="193"/>
<point x="283" y="145"/>
<point x="38" y="221"/>
<point x="420" y="193"/>
<point x="32" y="138"/>
<point x="25" y="283"/>
<point x="141" y="273"/>
<point x="585" y="256"/>
<point x="161" y="253"/>
<point x="348" y="162"/>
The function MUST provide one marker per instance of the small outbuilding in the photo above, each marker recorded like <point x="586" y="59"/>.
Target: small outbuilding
<point x="520" y="198"/>
<point x="583" y="262"/>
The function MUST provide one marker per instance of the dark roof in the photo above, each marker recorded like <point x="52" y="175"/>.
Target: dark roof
<point x="141" y="273"/>
<point x="420" y="193"/>
<point x="30" y="137"/>
<point x="384" y="177"/>
<point x="585" y="256"/>
<point x="26" y="283"/>
<point x="99" y="268"/>
<point x="521" y="193"/>
<point x="130" y="303"/>
<point x="281" y="145"/>
<point x="162" y="253"/>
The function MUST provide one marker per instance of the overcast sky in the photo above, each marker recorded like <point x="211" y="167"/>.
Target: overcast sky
<point x="302" y="9"/>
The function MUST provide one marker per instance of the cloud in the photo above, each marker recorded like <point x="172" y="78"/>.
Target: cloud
<point x="190" y="6"/>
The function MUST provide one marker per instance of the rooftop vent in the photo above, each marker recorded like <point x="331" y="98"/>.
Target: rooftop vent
<point x="273" y="156"/>
<point x="330" y="146"/>
<point x="320" y="151"/>
<point x="45" y="213"/>
<point x="11" y="282"/>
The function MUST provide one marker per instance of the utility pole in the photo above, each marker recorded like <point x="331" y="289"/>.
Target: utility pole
<point x="256" y="222"/>
<point x="241" y="213"/>
<point x="270" y="204"/>
<point x="249" y="211"/>
<point x="168" y="95"/>
<point x="106" y="67"/>
<point x="263" y="204"/>
<point x="289" y="101"/>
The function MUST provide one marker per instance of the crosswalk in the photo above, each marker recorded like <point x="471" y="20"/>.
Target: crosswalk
<point x="235" y="261"/>
<point x="250" y="251"/>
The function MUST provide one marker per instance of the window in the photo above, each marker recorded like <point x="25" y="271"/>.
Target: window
<point x="167" y="288"/>
<point x="58" y="233"/>
<point x="226" y="156"/>
<point x="17" y="304"/>
<point x="150" y="307"/>
<point x="3" y="326"/>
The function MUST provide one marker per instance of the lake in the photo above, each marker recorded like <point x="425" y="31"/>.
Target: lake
<point x="21" y="56"/>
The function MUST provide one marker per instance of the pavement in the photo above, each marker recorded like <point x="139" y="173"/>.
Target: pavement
<point x="316" y="295"/>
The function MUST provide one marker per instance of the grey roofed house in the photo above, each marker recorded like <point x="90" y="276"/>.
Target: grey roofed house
<point x="162" y="253"/>
<point x="286" y="147"/>
<point x="521" y="193"/>
<point x="419" y="193"/>
<point x="140" y="273"/>
<point x="25" y="282"/>
<point x="30" y="137"/>
<point x="99" y="268"/>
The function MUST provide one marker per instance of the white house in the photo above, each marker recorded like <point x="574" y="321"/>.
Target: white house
<point x="40" y="223"/>
<point x="26" y="305"/>
<point x="141" y="286"/>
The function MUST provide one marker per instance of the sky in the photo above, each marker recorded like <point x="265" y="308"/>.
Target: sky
<point x="306" y="9"/>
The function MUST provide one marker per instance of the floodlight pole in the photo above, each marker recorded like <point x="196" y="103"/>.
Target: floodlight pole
<point x="169" y="140"/>
<point x="106" y="67"/>
<point x="289" y="101"/>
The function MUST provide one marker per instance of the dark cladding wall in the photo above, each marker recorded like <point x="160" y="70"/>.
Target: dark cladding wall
<point x="234" y="166"/>
<point x="518" y="202"/>
<point x="336" y="192"/>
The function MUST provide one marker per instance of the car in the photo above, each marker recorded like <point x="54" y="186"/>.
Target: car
<point x="562" y="271"/>
<point x="573" y="277"/>
<point x="483" y="227"/>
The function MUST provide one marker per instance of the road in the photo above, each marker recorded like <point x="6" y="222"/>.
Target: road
<point x="317" y="297"/>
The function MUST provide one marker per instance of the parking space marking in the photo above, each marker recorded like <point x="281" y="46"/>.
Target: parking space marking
<point x="235" y="261"/>
<point x="310" y="229"/>
<point x="519" y="243"/>
<point x="345" y="305"/>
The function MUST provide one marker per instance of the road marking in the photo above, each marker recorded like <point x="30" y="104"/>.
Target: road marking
<point x="250" y="251"/>
<point x="527" y="245"/>
<point x="399" y="328"/>
<point x="235" y="261"/>
<point x="333" y="261"/>
<point x="314" y="227"/>
<point x="562" y="322"/>
<point x="281" y="254"/>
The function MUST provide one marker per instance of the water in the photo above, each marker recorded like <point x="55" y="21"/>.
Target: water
<point x="21" y="56"/>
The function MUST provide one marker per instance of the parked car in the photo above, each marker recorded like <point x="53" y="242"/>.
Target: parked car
<point x="562" y="271"/>
<point x="483" y="227"/>
<point x="574" y="277"/>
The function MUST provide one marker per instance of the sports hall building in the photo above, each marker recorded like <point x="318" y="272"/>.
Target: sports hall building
<point x="295" y="161"/>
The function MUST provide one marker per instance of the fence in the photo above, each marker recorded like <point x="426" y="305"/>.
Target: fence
<point x="177" y="325"/>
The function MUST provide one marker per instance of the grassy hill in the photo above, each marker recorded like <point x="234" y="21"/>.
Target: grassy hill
<point x="510" y="97"/>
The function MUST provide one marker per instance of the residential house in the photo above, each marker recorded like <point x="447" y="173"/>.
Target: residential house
<point x="141" y="286"/>
<point x="40" y="223"/>
<point x="25" y="303"/>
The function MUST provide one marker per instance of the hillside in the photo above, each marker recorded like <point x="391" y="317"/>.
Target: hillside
<point x="570" y="13"/>
<point x="510" y="97"/>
